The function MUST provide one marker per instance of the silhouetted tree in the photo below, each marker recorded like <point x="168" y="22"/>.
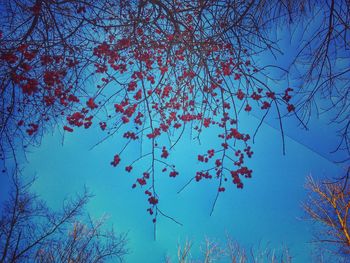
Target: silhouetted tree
<point x="322" y="66"/>
<point x="31" y="232"/>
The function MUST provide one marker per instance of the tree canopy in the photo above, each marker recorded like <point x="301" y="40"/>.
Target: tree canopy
<point x="149" y="70"/>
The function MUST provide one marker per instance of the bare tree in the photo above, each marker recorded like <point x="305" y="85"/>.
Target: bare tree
<point x="31" y="232"/>
<point x="328" y="206"/>
<point x="231" y="251"/>
<point x="321" y="65"/>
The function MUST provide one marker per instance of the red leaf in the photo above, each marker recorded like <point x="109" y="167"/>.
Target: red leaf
<point x="68" y="129"/>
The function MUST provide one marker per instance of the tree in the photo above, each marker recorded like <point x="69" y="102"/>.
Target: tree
<point x="319" y="66"/>
<point x="328" y="206"/>
<point x="42" y="67"/>
<point x="149" y="71"/>
<point x="31" y="232"/>
<point x="232" y="251"/>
